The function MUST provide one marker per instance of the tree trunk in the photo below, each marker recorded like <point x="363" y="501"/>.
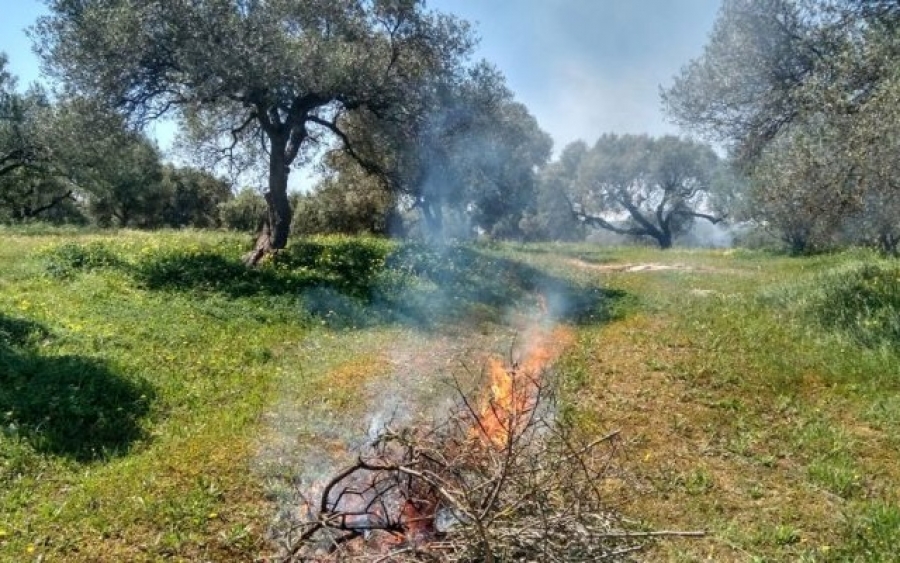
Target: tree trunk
<point x="664" y="234"/>
<point x="434" y="220"/>
<point x="274" y="235"/>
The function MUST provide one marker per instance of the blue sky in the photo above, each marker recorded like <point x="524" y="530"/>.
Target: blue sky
<point x="583" y="67"/>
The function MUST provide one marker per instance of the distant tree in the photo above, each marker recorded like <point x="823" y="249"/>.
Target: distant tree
<point x="465" y="147"/>
<point x="71" y="155"/>
<point x="192" y="197"/>
<point x="335" y="207"/>
<point x="15" y="148"/>
<point x="552" y="217"/>
<point x="639" y="186"/>
<point x="245" y="212"/>
<point x="276" y="75"/>
<point x="27" y="190"/>
<point x="127" y="189"/>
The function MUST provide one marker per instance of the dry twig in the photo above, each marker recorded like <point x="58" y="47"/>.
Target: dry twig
<point x="464" y="491"/>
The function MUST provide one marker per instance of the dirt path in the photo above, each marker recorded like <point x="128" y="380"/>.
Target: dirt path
<point x="647" y="267"/>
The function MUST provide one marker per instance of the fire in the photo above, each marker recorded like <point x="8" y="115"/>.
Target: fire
<point x="514" y="389"/>
<point x="381" y="511"/>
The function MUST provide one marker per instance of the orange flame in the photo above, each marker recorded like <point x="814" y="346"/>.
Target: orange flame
<point x="513" y="390"/>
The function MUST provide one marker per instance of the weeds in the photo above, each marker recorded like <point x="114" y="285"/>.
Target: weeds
<point x="347" y="282"/>
<point x="758" y="392"/>
<point x="69" y="258"/>
<point x="861" y="301"/>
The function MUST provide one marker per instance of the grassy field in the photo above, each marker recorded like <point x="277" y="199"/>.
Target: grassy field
<point x="158" y="401"/>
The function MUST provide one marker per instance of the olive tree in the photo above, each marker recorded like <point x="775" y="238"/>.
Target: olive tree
<point x="257" y="79"/>
<point x="464" y="148"/>
<point x="35" y="179"/>
<point x="804" y="94"/>
<point x="25" y="190"/>
<point x="641" y="186"/>
<point x="552" y="216"/>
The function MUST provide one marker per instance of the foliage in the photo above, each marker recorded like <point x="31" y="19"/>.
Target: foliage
<point x="552" y="217"/>
<point x="742" y="90"/>
<point x="374" y="281"/>
<point x="128" y="190"/>
<point x="18" y="147"/>
<point x="659" y="185"/>
<point x="193" y="197"/>
<point x="70" y="258"/>
<point x="77" y="161"/>
<point x="463" y="150"/>
<point x="860" y="300"/>
<point x="800" y="190"/>
<point x="245" y="212"/>
<point x="26" y="189"/>
<point x="249" y="79"/>
<point x="350" y="202"/>
<point x="804" y="94"/>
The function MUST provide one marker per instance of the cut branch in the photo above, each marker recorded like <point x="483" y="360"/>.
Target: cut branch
<point x="453" y="493"/>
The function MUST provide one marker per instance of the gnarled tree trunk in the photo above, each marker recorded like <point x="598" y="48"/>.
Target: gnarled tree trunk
<point x="274" y="234"/>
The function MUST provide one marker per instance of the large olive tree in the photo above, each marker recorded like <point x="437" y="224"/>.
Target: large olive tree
<point x="274" y="76"/>
<point x="641" y="186"/>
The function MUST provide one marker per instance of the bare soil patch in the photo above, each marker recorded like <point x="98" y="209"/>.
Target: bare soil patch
<point x="633" y="267"/>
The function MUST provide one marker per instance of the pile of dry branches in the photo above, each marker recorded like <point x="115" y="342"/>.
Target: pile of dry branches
<point x="500" y="481"/>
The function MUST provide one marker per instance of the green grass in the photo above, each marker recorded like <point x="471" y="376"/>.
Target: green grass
<point x="773" y="425"/>
<point x="141" y="372"/>
<point x="159" y="401"/>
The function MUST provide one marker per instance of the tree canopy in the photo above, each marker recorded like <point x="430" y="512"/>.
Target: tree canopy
<point x="803" y="93"/>
<point x="464" y="148"/>
<point x="641" y="186"/>
<point x="273" y="78"/>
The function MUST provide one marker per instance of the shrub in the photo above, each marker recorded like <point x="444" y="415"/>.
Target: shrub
<point x="861" y="301"/>
<point x="245" y="212"/>
<point x="66" y="259"/>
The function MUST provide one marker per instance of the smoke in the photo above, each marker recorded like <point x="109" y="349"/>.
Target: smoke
<point x="704" y="234"/>
<point x="397" y="374"/>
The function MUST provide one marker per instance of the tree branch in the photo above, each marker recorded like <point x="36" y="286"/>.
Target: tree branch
<point x="10" y="167"/>
<point x="52" y="203"/>
<point x="711" y="218"/>
<point x="367" y="165"/>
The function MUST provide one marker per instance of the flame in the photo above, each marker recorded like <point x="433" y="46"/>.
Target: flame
<point x="509" y="401"/>
<point x="514" y="390"/>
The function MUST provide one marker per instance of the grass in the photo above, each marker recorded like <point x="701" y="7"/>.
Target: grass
<point x="149" y="379"/>
<point x="751" y="413"/>
<point x="161" y="402"/>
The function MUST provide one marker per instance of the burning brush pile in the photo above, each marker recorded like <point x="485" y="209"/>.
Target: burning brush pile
<point x="502" y="478"/>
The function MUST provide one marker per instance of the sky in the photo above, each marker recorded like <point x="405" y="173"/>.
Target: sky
<point x="583" y="67"/>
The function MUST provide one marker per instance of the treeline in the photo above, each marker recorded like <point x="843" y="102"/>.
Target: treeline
<point x="805" y="96"/>
<point x="75" y="162"/>
<point x="414" y="138"/>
